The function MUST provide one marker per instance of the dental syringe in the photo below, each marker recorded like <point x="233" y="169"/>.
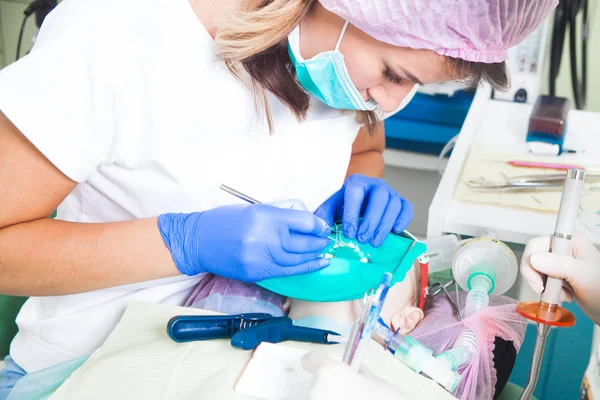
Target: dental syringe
<point x="418" y="357"/>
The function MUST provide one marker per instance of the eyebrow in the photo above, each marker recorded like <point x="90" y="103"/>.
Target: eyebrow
<point x="409" y="75"/>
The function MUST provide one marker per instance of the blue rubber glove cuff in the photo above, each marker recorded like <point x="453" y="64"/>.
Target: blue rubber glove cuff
<point x="172" y="229"/>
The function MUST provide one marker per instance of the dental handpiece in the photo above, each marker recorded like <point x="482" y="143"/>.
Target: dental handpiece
<point x="548" y="312"/>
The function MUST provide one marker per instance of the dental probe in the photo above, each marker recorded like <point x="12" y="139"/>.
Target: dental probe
<point x="250" y="200"/>
<point x="548" y="312"/>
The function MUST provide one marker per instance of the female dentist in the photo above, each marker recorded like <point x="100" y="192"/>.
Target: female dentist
<point x="580" y="269"/>
<point x="128" y="115"/>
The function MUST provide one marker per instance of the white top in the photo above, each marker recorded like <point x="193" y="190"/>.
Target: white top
<point x="502" y="126"/>
<point x="127" y="98"/>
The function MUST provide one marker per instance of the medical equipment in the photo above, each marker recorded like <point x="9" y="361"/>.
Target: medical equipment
<point x="438" y="288"/>
<point x="548" y="312"/>
<point x="482" y="266"/>
<point x="246" y="331"/>
<point x="362" y="330"/>
<point x="418" y="357"/>
<point x="538" y="165"/>
<point x="187" y="328"/>
<point x="250" y="200"/>
<point x="525" y="183"/>
<point x="566" y="14"/>
<point x="239" y="195"/>
<point x="280" y="329"/>
<point x="548" y="120"/>
<point x="348" y="276"/>
<point x="41" y="8"/>
<point x="326" y="77"/>
<point x="498" y="26"/>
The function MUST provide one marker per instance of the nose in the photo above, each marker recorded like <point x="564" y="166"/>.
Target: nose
<point x="389" y="98"/>
<point x="365" y="94"/>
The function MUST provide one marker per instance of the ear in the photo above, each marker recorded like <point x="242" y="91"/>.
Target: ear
<point x="407" y="319"/>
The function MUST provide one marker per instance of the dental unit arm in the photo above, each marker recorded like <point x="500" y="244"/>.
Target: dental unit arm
<point x="548" y="312"/>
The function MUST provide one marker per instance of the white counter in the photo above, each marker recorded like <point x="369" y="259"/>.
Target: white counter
<point x="502" y="127"/>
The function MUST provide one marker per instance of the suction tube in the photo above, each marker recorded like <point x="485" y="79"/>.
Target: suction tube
<point x="418" y="357"/>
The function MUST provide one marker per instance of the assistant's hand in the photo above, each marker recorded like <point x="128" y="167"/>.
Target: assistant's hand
<point x="333" y="379"/>
<point x="248" y="242"/>
<point x="382" y="209"/>
<point x="580" y="269"/>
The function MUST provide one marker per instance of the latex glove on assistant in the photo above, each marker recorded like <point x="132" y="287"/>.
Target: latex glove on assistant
<point x="333" y="379"/>
<point x="246" y="242"/>
<point x="380" y="206"/>
<point x="580" y="269"/>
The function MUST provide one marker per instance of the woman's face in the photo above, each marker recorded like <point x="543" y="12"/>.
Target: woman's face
<point x="379" y="71"/>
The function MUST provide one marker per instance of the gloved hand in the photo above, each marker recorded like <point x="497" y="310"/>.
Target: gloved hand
<point x="246" y="242"/>
<point x="381" y="207"/>
<point x="334" y="379"/>
<point x="580" y="269"/>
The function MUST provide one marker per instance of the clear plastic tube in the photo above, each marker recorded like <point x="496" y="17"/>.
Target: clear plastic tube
<point x="480" y="283"/>
<point x="462" y="352"/>
<point x="478" y="297"/>
<point x="419" y="358"/>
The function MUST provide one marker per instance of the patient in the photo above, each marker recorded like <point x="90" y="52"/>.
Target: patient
<point x="400" y="312"/>
<point x="228" y="296"/>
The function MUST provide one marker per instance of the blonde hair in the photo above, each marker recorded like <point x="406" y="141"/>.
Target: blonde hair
<point x="254" y="37"/>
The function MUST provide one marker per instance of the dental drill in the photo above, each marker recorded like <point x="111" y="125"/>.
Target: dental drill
<point x="418" y="357"/>
<point x="482" y="266"/>
<point x="547" y="312"/>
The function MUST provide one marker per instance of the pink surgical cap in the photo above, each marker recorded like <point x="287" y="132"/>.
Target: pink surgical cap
<point x="472" y="30"/>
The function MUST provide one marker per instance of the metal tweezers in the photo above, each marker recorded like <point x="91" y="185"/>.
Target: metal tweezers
<point x="526" y="182"/>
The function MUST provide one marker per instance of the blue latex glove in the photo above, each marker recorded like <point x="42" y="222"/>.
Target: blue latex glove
<point x="381" y="208"/>
<point x="246" y="242"/>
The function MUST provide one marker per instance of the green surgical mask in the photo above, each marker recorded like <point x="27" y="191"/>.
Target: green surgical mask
<point x="354" y="269"/>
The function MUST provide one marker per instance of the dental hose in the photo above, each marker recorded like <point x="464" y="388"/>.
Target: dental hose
<point x="481" y="284"/>
<point x="418" y="357"/>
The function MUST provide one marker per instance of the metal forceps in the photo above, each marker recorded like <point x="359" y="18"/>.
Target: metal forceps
<point x="438" y="288"/>
<point x="526" y="182"/>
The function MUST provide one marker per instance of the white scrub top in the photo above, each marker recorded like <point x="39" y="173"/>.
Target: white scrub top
<point x="127" y="98"/>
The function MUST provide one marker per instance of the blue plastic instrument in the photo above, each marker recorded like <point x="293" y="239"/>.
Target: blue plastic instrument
<point x="246" y="331"/>
<point x="279" y="330"/>
<point x="187" y="328"/>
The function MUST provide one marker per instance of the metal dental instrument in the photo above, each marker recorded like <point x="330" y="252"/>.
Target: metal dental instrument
<point x="526" y="182"/>
<point x="250" y="200"/>
<point x="438" y="288"/>
<point x="537" y="164"/>
<point x="548" y="312"/>
<point x="239" y="195"/>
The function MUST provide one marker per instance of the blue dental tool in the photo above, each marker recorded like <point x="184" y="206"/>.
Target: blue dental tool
<point x="279" y="330"/>
<point x="246" y="331"/>
<point x="188" y="328"/>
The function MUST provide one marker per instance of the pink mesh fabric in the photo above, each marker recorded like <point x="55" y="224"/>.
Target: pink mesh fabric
<point x="472" y="30"/>
<point x="440" y="328"/>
